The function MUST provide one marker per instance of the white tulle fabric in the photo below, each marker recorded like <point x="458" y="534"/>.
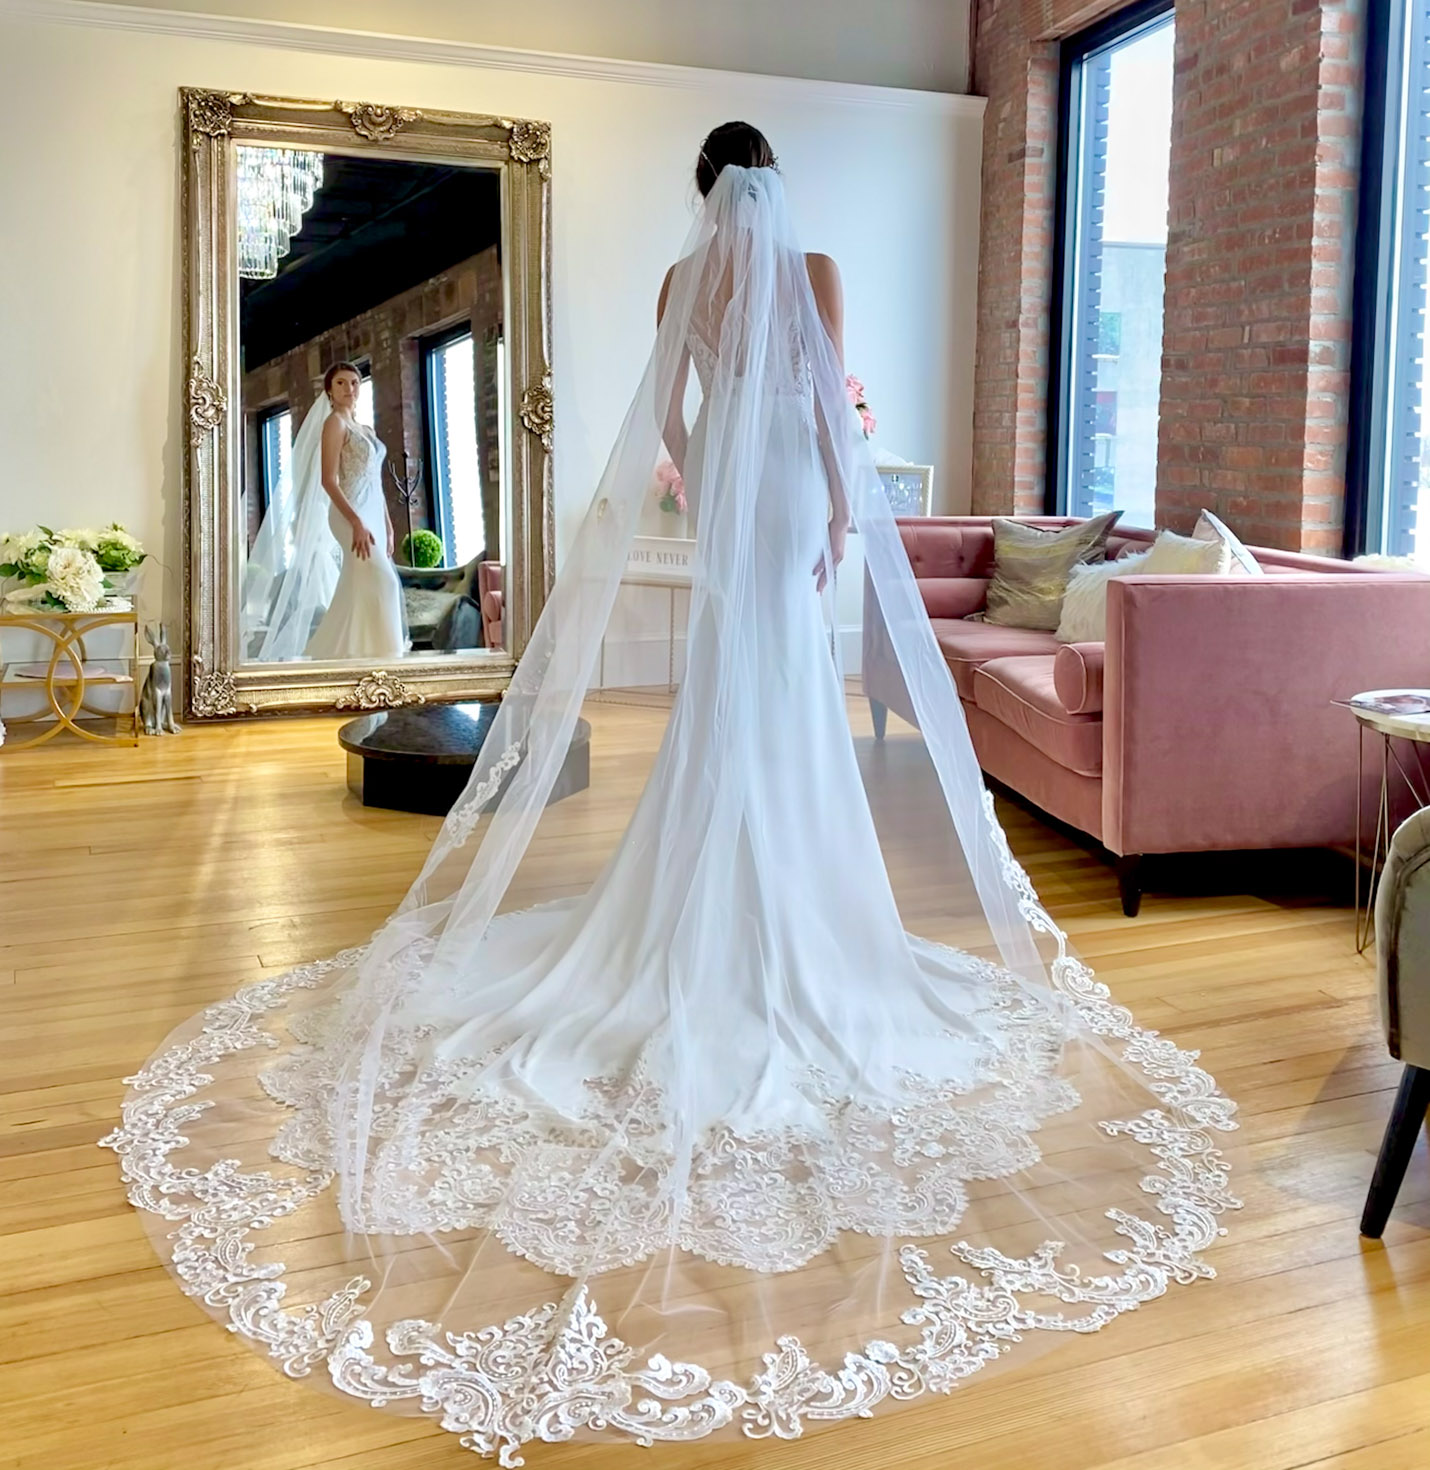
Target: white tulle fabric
<point x="305" y="593"/>
<point x="679" y="1129"/>
<point x="365" y="617"/>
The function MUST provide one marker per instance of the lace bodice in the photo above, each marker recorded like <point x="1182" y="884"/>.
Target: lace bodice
<point x="704" y="356"/>
<point x="799" y="383"/>
<point x="360" y="460"/>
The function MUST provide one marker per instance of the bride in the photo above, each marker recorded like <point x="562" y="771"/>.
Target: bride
<point x="324" y="551"/>
<point x="698" y="1138"/>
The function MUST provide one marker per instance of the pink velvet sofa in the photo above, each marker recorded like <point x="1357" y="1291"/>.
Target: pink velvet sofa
<point x="1205" y="721"/>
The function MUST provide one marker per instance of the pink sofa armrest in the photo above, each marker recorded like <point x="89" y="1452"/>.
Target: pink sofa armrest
<point x="1219" y="731"/>
<point x="1077" y="677"/>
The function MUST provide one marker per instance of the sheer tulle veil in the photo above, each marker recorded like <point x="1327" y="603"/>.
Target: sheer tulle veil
<point x="293" y="567"/>
<point x="784" y="1103"/>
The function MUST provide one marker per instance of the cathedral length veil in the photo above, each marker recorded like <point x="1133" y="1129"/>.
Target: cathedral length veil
<point x="695" y="1140"/>
<point x="293" y="568"/>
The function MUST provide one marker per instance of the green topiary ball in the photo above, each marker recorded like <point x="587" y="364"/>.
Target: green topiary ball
<point x="423" y="549"/>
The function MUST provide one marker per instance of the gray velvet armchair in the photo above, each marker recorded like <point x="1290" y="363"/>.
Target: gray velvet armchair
<point x="1402" y="935"/>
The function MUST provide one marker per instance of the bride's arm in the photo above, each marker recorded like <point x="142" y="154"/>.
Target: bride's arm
<point x="334" y="432"/>
<point x="829" y="300"/>
<point x="675" y="433"/>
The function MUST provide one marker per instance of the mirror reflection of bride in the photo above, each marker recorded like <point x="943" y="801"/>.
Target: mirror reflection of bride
<point x="320" y="581"/>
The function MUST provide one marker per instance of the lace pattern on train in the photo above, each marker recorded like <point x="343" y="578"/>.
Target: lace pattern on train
<point x="556" y="1369"/>
<point x="454" y="1150"/>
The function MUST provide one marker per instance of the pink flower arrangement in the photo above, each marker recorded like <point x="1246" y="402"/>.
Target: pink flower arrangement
<point x="855" y="389"/>
<point x="670" y="488"/>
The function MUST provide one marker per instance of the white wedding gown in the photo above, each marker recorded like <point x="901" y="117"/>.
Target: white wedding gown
<point x="699" y="1139"/>
<point x="365" y="618"/>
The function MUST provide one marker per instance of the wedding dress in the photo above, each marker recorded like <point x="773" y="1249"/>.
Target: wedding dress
<point x="365" y="618"/>
<point x="306" y="594"/>
<point x="784" y="1104"/>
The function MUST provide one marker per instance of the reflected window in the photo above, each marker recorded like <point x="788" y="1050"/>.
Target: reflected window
<point x="1116" y="152"/>
<point x="275" y="451"/>
<point x="366" y="413"/>
<point x="454" y="455"/>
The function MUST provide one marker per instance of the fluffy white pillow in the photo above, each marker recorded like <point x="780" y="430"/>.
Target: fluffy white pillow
<point x="1182" y="556"/>
<point x="1084" y="618"/>
<point x="1212" y="528"/>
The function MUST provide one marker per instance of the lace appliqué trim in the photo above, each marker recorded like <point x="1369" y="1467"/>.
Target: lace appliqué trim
<point x="548" y="1373"/>
<point x="452" y="1148"/>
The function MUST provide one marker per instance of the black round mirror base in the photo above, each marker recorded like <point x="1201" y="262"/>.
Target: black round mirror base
<point x="419" y="759"/>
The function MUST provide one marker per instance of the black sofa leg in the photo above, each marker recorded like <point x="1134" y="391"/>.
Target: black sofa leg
<point x="881" y="718"/>
<point x="1129" y="883"/>
<point x="1406" y="1116"/>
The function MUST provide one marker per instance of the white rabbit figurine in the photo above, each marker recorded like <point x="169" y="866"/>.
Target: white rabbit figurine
<point x="156" y="702"/>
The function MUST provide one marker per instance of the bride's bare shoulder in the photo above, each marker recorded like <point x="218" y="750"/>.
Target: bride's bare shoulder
<point x="825" y="283"/>
<point x="680" y="265"/>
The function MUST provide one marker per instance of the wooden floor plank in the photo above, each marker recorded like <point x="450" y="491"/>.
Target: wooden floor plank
<point x="139" y="885"/>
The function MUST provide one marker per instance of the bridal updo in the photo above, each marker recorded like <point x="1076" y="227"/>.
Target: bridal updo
<point x="732" y="143"/>
<point x="340" y="367"/>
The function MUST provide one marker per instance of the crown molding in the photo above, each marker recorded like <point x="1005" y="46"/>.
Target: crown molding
<point x="333" y="41"/>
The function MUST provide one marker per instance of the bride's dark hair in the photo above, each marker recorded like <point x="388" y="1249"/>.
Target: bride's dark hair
<point x="732" y="142"/>
<point x="339" y="367"/>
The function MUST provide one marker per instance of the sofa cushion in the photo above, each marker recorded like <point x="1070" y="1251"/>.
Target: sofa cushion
<point x="953" y="597"/>
<point x="1077" y="677"/>
<point x="1022" y="693"/>
<point x="967" y="645"/>
<point x="1031" y="566"/>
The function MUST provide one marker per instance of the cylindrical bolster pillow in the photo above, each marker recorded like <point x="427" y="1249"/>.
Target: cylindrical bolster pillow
<point x="1077" y="677"/>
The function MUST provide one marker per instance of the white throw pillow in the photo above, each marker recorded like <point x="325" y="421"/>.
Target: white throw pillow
<point x="1181" y="556"/>
<point x="1213" y="528"/>
<point x="1084" y="618"/>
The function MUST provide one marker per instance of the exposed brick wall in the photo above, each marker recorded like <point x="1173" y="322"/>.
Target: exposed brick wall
<point x="1259" y="260"/>
<point x="388" y="339"/>
<point x="1017" y="71"/>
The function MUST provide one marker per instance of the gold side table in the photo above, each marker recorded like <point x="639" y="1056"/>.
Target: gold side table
<point x="1407" y="775"/>
<point x="69" y="677"/>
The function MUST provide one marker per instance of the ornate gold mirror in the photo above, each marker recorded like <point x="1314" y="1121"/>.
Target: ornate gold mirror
<point x="409" y="250"/>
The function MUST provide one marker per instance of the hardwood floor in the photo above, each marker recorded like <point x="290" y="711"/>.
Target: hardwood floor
<point x="139" y="885"/>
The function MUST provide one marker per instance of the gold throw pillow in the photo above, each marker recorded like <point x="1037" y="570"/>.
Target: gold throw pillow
<point x="1031" y="567"/>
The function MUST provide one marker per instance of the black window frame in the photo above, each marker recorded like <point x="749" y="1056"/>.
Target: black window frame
<point x="434" y="420"/>
<point x="1073" y="52"/>
<point x="265" y="417"/>
<point x="1368" y="405"/>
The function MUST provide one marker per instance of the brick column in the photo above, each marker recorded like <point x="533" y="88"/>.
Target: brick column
<point x="1256" y="351"/>
<point x="1015" y="65"/>
<point x="1265" y="148"/>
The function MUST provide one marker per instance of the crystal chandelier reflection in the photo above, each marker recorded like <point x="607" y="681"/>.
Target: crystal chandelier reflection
<point x="276" y="187"/>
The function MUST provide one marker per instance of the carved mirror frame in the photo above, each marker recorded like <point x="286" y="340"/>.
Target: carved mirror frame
<point x="219" y="684"/>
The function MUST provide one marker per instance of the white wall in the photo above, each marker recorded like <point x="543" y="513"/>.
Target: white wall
<point x="890" y="43"/>
<point x="91" y="424"/>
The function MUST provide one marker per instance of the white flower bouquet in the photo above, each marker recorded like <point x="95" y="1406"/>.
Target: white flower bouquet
<point x="66" y="569"/>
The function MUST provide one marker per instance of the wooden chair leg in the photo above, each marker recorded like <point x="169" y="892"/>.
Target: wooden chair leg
<point x="881" y="718"/>
<point x="1129" y="884"/>
<point x="1411" y="1102"/>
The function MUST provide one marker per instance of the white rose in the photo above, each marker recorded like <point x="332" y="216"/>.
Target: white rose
<point x="75" y="578"/>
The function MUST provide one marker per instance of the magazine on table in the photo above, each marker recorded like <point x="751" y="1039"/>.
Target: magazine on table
<point x="1390" y="702"/>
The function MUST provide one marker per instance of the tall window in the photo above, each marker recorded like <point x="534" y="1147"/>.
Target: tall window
<point x="1388" y="471"/>
<point x="1115" y="148"/>
<point x="366" y="413"/>
<point x="453" y="451"/>
<point x="275" y="451"/>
